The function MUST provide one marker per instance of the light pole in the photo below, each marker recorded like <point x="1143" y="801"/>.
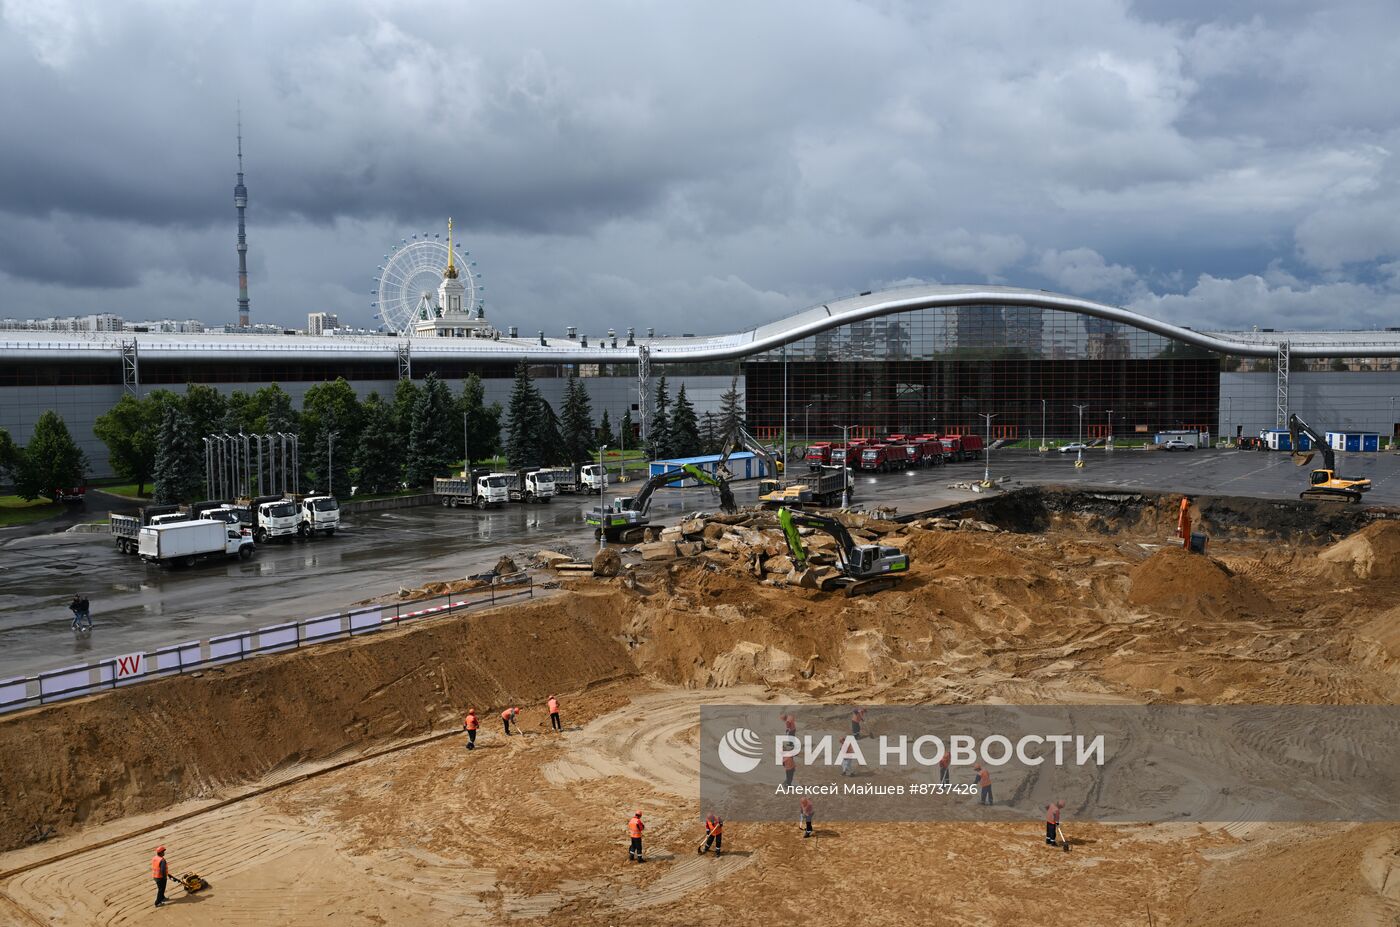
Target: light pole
<point x="466" y="450"/>
<point x="602" y="484"/>
<point x="807" y="424"/>
<point x="330" y="462"/>
<point x="1079" y="457"/>
<point x="783" y="458"/>
<point x="1110" y="429"/>
<point x="1392" y="421"/>
<point x="1042" y="425"/>
<point x="987" y="449"/>
<point x="846" y="468"/>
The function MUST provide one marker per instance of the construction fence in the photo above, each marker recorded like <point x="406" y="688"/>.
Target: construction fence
<point x="130" y="669"/>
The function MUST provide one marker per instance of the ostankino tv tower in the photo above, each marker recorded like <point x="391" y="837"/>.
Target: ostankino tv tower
<point x="240" y="200"/>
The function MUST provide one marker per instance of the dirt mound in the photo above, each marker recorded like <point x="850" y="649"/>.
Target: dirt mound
<point x="151" y="745"/>
<point x="1373" y="553"/>
<point x="1177" y="580"/>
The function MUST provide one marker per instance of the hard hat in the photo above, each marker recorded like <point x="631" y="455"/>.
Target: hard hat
<point x="636" y="814"/>
<point x="1060" y="803"/>
<point x="160" y="850"/>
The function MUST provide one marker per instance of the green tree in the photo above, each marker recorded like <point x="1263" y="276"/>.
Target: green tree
<point x="179" y="470"/>
<point x="604" y="434"/>
<point x="330" y="409"/>
<point x="659" y="442"/>
<point x="430" y="450"/>
<point x="709" y="433"/>
<point x="576" y="422"/>
<point x="406" y="393"/>
<point x="51" y="460"/>
<point x="685" y="427"/>
<point x="129" y="429"/>
<point x="9" y="455"/>
<point x="207" y="409"/>
<point x="379" y="454"/>
<point x="524" y="427"/>
<point x="483" y="421"/>
<point x="731" y="409"/>
<point x="267" y="411"/>
<point x="549" y="441"/>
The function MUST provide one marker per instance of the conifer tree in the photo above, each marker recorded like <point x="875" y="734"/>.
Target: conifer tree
<point x="179" y="470"/>
<point x="379" y="455"/>
<point x="430" y="450"/>
<point x="576" y="422"/>
<point x="685" y="428"/>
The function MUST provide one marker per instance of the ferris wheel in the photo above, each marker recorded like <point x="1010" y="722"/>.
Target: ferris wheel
<point x="407" y="282"/>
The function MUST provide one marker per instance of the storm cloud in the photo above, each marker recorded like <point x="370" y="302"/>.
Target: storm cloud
<point x="704" y="167"/>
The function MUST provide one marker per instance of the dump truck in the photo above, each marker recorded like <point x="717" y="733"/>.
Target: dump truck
<point x="874" y="457"/>
<point x="825" y="486"/>
<point x="818" y="455"/>
<point x="188" y="542"/>
<point x="482" y="489"/>
<point x="125" y="527"/>
<point x="318" y="515"/>
<point x="529" y="485"/>
<point x="273" y="517"/>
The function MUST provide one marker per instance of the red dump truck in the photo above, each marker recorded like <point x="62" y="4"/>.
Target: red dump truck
<point x="818" y="455"/>
<point x="972" y="446"/>
<point x="874" y="457"/>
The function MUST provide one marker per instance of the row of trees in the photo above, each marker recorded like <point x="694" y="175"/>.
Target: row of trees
<point x="379" y="444"/>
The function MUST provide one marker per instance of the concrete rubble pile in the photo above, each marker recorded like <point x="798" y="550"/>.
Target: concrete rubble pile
<point x="752" y="542"/>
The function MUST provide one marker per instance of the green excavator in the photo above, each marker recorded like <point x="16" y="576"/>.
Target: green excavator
<point x="864" y="568"/>
<point x="624" y="520"/>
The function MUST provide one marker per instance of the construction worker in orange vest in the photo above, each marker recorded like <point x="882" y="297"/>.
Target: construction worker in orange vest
<point x="159" y="872"/>
<point x="634" y="831"/>
<point x="984" y="780"/>
<point x="554" y="714"/>
<point x="714" y="834"/>
<point x="789" y="724"/>
<point x="943" y="768"/>
<point x="509" y="715"/>
<point x="857" y="718"/>
<point x="1052" y="821"/>
<point x="471" y="724"/>
<point x="804" y="810"/>
<point x="789" y="770"/>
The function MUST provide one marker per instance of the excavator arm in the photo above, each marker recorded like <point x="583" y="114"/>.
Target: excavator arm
<point x="791" y="521"/>
<point x="737" y="438"/>
<point x="641" y="503"/>
<point x="1297" y="426"/>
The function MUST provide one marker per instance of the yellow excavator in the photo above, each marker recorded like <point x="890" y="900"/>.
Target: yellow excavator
<point x="1325" y="482"/>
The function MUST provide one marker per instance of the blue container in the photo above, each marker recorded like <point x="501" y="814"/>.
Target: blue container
<point x="1371" y="442"/>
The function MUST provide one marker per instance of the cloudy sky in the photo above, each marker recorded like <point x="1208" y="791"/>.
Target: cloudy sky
<point x="705" y="166"/>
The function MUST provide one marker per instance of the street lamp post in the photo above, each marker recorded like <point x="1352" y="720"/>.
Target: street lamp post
<point x="330" y="462"/>
<point x="987" y="448"/>
<point x="1042" y="425"/>
<point x="846" y="468"/>
<point x="1110" y="429"/>
<point x="1079" y="456"/>
<point x="783" y="458"/>
<point x="807" y="424"/>
<point x="466" y="450"/>
<point x="1392" y="422"/>
<point x="602" y="484"/>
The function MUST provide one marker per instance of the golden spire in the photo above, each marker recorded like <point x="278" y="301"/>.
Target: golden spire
<point x="451" y="272"/>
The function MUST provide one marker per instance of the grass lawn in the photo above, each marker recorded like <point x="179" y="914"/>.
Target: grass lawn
<point x="15" y="511"/>
<point x="125" y="490"/>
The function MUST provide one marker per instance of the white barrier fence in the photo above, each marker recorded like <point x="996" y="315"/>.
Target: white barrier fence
<point x="84" y="679"/>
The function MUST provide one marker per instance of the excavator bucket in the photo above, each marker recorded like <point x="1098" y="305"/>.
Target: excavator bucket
<point x="1302" y="458"/>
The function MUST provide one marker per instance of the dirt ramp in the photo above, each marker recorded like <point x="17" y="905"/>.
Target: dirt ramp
<point x="152" y="745"/>
<point x="1175" y="580"/>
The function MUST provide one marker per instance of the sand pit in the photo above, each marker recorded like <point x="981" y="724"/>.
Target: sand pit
<point x="529" y="829"/>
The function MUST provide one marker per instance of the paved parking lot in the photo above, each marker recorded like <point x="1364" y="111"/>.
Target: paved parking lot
<point x="137" y="606"/>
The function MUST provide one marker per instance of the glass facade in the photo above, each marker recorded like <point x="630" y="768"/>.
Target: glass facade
<point x="935" y="370"/>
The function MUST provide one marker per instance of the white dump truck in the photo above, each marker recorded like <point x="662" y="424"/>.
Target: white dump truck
<point x="188" y="542"/>
<point x="482" y="489"/>
<point x="529" y="485"/>
<point x="319" y="515"/>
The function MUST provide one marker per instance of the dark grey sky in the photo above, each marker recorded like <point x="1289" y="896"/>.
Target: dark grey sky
<point x="704" y="166"/>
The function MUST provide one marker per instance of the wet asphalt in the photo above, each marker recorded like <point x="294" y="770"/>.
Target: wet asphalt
<point x="136" y="606"/>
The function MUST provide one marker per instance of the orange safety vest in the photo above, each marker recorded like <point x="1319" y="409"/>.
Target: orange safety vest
<point x="553" y="706"/>
<point x="158" y="869"/>
<point x="714" y="826"/>
<point x="471" y="722"/>
<point x="506" y="715"/>
<point x="788" y="763"/>
<point x="943" y="763"/>
<point x="1052" y="813"/>
<point x="806" y="806"/>
<point x="635" y="827"/>
<point x="984" y="777"/>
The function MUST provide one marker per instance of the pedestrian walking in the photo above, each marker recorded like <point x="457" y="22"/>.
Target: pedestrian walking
<point x="804" y="811"/>
<point x="984" y="781"/>
<point x="634" y="833"/>
<point x="554" y="714"/>
<point x="471" y="723"/>
<point x="509" y="715"/>
<point x="714" y="835"/>
<point x="1052" y="821"/>
<point x="160" y="871"/>
<point x="82" y="615"/>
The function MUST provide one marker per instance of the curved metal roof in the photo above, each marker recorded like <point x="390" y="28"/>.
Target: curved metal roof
<point x="213" y="347"/>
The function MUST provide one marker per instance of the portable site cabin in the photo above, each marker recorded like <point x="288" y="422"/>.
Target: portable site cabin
<point x="1361" y="441"/>
<point x="742" y="465"/>
<point x="1277" y="440"/>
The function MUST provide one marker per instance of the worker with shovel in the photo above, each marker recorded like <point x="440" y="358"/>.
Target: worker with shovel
<point x="554" y="723"/>
<point x="509" y="715"/>
<point x="714" y="835"/>
<point x="160" y="871"/>
<point x="804" y="809"/>
<point x="984" y="783"/>
<point x="1052" y="821"/>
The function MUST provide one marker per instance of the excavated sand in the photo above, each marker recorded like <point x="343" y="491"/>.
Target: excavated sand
<point x="530" y="829"/>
